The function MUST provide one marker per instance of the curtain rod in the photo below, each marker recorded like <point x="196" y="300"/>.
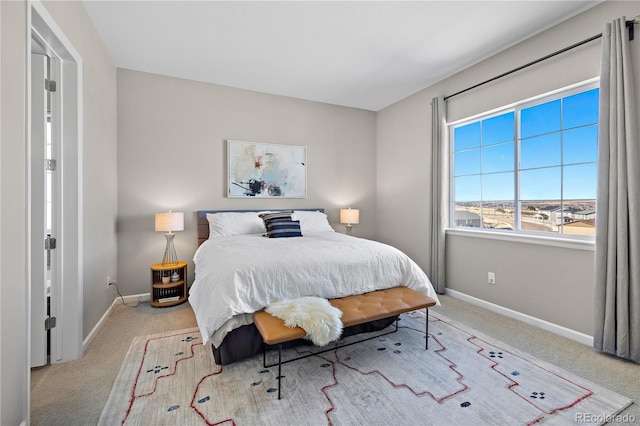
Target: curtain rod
<point x="630" y="24"/>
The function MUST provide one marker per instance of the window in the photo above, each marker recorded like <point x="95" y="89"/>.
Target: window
<point x="529" y="168"/>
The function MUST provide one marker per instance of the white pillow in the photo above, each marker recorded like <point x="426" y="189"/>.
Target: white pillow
<point x="234" y="223"/>
<point x="312" y="221"/>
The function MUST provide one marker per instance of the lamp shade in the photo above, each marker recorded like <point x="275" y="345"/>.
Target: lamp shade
<point x="349" y="216"/>
<point x="171" y="221"/>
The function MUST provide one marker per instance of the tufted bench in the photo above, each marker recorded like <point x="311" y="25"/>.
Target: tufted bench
<point x="357" y="309"/>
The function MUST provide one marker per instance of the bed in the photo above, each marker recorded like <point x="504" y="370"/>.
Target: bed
<point x="241" y="267"/>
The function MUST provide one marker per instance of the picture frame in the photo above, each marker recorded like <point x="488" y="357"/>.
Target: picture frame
<point x="265" y="170"/>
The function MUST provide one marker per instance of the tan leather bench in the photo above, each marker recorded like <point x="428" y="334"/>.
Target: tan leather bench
<point x="356" y="310"/>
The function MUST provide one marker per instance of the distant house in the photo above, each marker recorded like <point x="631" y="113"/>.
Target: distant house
<point x="541" y="216"/>
<point x="551" y="212"/>
<point x="566" y="219"/>
<point x="465" y="218"/>
<point x="584" y="215"/>
<point x="558" y="215"/>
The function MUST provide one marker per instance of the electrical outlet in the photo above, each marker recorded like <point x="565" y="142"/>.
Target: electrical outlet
<point x="491" y="278"/>
<point x="109" y="280"/>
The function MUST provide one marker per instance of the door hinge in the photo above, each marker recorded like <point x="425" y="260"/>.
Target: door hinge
<point x="49" y="242"/>
<point x="50" y="165"/>
<point x="49" y="85"/>
<point x="49" y="323"/>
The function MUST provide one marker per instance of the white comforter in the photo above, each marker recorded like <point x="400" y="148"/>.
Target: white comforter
<point x="239" y="275"/>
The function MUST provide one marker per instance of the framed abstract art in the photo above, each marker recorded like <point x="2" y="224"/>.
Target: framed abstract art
<point x="262" y="170"/>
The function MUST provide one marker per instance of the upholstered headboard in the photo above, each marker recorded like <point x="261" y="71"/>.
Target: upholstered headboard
<point x="203" y="223"/>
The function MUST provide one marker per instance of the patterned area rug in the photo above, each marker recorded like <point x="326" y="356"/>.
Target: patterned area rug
<point x="464" y="378"/>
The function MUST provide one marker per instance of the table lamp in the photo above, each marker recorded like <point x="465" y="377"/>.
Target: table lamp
<point x="169" y="222"/>
<point x="349" y="217"/>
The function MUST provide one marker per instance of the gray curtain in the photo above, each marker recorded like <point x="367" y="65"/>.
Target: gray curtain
<point x="439" y="194"/>
<point x="617" y="292"/>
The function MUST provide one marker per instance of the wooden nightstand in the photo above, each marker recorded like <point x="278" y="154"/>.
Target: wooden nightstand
<point x="169" y="293"/>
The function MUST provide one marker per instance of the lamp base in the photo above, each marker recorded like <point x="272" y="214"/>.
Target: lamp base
<point x="170" y="257"/>
<point x="348" y="226"/>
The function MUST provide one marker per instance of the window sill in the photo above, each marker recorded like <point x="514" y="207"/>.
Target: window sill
<point x="588" y="245"/>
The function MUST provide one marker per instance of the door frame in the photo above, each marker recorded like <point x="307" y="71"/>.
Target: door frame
<point x="69" y="307"/>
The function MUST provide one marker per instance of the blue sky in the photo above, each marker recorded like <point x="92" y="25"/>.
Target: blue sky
<point x="558" y="150"/>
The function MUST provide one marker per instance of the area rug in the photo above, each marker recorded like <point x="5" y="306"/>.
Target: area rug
<point x="464" y="378"/>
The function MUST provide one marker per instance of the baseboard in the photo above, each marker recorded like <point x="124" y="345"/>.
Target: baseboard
<point x="94" y="330"/>
<point x="537" y="322"/>
<point x="145" y="297"/>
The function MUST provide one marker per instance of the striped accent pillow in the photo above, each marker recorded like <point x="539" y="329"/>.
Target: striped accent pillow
<point x="280" y="225"/>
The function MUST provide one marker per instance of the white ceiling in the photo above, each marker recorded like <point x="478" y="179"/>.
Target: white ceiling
<point x="363" y="54"/>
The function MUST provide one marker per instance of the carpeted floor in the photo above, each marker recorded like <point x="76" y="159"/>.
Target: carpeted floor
<point x="464" y="379"/>
<point x="75" y="393"/>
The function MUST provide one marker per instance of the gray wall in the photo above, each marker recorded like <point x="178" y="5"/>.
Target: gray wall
<point x="99" y="188"/>
<point x="13" y="219"/>
<point x="172" y="155"/>
<point x="550" y="283"/>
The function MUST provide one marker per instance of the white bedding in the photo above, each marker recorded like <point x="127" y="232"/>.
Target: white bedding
<point x="239" y="275"/>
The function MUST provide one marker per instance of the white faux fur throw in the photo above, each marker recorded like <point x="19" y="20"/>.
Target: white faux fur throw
<point x="314" y="315"/>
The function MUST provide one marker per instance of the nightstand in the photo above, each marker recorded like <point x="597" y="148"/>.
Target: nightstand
<point x="167" y="292"/>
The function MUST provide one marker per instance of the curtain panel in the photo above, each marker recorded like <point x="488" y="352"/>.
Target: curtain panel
<point x="617" y="258"/>
<point x="439" y="193"/>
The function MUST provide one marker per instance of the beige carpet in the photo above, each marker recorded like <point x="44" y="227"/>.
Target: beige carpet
<point x="464" y="378"/>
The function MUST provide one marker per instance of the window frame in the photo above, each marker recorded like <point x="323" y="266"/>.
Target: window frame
<point x="517" y="234"/>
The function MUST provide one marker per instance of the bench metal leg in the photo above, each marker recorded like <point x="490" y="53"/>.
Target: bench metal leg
<point x="264" y="363"/>
<point x="426" y="330"/>
<point x="279" y="368"/>
<point x="264" y="355"/>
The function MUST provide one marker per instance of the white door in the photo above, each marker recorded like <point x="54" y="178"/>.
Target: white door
<point x="40" y="268"/>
